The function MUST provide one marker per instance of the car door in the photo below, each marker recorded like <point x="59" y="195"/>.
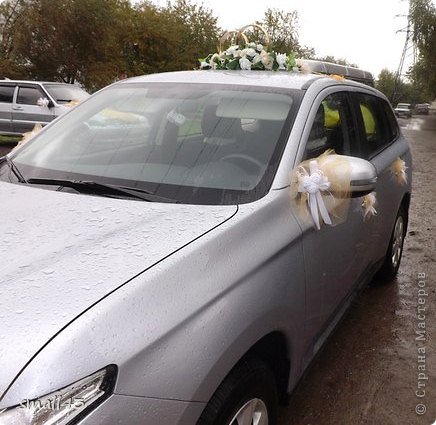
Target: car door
<point x="381" y="144"/>
<point x="335" y="256"/>
<point x="26" y="112"/>
<point x="6" y="98"/>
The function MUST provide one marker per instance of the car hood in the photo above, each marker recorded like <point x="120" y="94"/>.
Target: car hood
<point x="62" y="252"/>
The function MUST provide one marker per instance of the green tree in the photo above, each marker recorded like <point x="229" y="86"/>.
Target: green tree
<point x="399" y="90"/>
<point x="386" y="82"/>
<point x="282" y="27"/>
<point x="10" y="12"/>
<point x="423" y="17"/>
<point x="66" y="40"/>
<point x="169" y="38"/>
<point x="339" y="61"/>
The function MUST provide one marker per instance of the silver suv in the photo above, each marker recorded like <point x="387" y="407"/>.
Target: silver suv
<point x="176" y="249"/>
<point x="26" y="103"/>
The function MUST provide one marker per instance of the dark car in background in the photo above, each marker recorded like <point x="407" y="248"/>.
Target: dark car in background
<point x="422" y="108"/>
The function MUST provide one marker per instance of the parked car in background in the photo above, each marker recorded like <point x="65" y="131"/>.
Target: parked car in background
<point x="422" y="108"/>
<point x="403" y="110"/>
<point x="26" y="103"/>
<point x="157" y="268"/>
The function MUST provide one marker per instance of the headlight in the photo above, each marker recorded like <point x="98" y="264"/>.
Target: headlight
<point x="65" y="406"/>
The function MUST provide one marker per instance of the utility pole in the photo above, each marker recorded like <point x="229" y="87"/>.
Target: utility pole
<point x="409" y="45"/>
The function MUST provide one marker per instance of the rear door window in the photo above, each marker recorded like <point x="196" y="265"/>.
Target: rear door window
<point x="29" y="95"/>
<point x="378" y="127"/>
<point x="6" y="94"/>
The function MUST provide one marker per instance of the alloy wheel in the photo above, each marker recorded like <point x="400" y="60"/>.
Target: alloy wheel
<point x="253" y="412"/>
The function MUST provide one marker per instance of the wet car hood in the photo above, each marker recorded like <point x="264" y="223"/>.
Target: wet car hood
<point x="62" y="252"/>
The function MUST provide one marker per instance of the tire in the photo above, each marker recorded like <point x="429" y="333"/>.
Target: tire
<point x="389" y="269"/>
<point x="250" y="384"/>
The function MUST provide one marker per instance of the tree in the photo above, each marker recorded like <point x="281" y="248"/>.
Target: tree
<point x="423" y="18"/>
<point x="282" y="27"/>
<point x="10" y="12"/>
<point x="386" y="82"/>
<point x="169" y="38"/>
<point x="400" y="90"/>
<point x="339" y="61"/>
<point x="65" y="40"/>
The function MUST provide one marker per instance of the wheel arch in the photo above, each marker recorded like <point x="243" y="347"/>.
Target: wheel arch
<point x="273" y="350"/>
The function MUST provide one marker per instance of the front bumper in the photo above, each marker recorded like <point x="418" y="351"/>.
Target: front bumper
<point x="130" y="410"/>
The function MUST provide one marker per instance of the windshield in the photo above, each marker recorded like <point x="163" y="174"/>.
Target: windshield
<point x="404" y="105"/>
<point x="66" y="93"/>
<point x="194" y="143"/>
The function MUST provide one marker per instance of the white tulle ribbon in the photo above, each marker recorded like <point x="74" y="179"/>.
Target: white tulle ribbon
<point x="43" y="102"/>
<point x="314" y="184"/>
<point x="398" y="170"/>
<point x="368" y="205"/>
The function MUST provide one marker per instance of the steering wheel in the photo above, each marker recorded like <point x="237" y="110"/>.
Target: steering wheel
<point x="245" y="159"/>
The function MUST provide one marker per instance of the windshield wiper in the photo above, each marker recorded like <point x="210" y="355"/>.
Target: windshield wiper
<point x="15" y="170"/>
<point x="102" y="189"/>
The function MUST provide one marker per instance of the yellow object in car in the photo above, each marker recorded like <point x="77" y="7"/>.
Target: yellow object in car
<point x="331" y="116"/>
<point x="368" y="120"/>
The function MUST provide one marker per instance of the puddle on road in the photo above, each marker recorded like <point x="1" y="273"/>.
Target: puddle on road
<point x="415" y="124"/>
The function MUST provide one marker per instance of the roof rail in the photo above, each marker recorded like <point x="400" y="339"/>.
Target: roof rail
<point x="350" y="73"/>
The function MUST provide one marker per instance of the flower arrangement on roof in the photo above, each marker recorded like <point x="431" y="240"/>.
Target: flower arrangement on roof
<point x="248" y="55"/>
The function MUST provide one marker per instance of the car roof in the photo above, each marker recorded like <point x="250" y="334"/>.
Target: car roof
<point x="34" y="82"/>
<point x="280" y="79"/>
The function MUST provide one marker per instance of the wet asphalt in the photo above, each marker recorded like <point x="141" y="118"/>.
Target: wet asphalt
<point x="373" y="370"/>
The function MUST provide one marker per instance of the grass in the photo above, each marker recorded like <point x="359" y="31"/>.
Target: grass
<point x="9" y="140"/>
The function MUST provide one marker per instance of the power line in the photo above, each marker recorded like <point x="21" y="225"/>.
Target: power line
<point x="408" y="45"/>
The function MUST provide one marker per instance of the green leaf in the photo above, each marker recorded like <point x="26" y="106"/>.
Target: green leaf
<point x="291" y="63"/>
<point x="233" y="64"/>
<point x="258" y="66"/>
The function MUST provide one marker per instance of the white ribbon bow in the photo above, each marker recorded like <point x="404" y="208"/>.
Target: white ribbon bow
<point x="313" y="184"/>
<point x="369" y="205"/>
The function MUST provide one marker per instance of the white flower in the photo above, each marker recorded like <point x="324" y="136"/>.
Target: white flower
<point x="43" y="102"/>
<point x="257" y="59"/>
<point x="245" y="64"/>
<point x="204" y="65"/>
<point x="231" y="51"/>
<point x="267" y="60"/>
<point x="251" y="45"/>
<point x="302" y="66"/>
<point x="250" y="52"/>
<point x="281" y="60"/>
<point x="259" y="47"/>
<point x="214" y="60"/>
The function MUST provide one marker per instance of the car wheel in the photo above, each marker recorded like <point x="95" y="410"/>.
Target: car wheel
<point x="391" y="264"/>
<point x="248" y="396"/>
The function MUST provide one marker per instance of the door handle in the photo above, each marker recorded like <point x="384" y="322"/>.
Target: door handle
<point x="17" y="108"/>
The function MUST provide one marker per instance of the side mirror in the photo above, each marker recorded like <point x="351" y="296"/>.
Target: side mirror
<point x="363" y="176"/>
<point x="360" y="175"/>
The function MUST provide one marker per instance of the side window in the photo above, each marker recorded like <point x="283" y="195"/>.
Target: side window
<point x="391" y="121"/>
<point x="6" y="94"/>
<point x="377" y="131"/>
<point x="28" y="95"/>
<point x="332" y="128"/>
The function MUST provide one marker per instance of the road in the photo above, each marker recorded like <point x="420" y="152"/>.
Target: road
<point x="4" y="149"/>
<point x="367" y="372"/>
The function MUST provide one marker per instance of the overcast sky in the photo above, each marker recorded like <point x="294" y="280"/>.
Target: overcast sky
<point x="363" y="32"/>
